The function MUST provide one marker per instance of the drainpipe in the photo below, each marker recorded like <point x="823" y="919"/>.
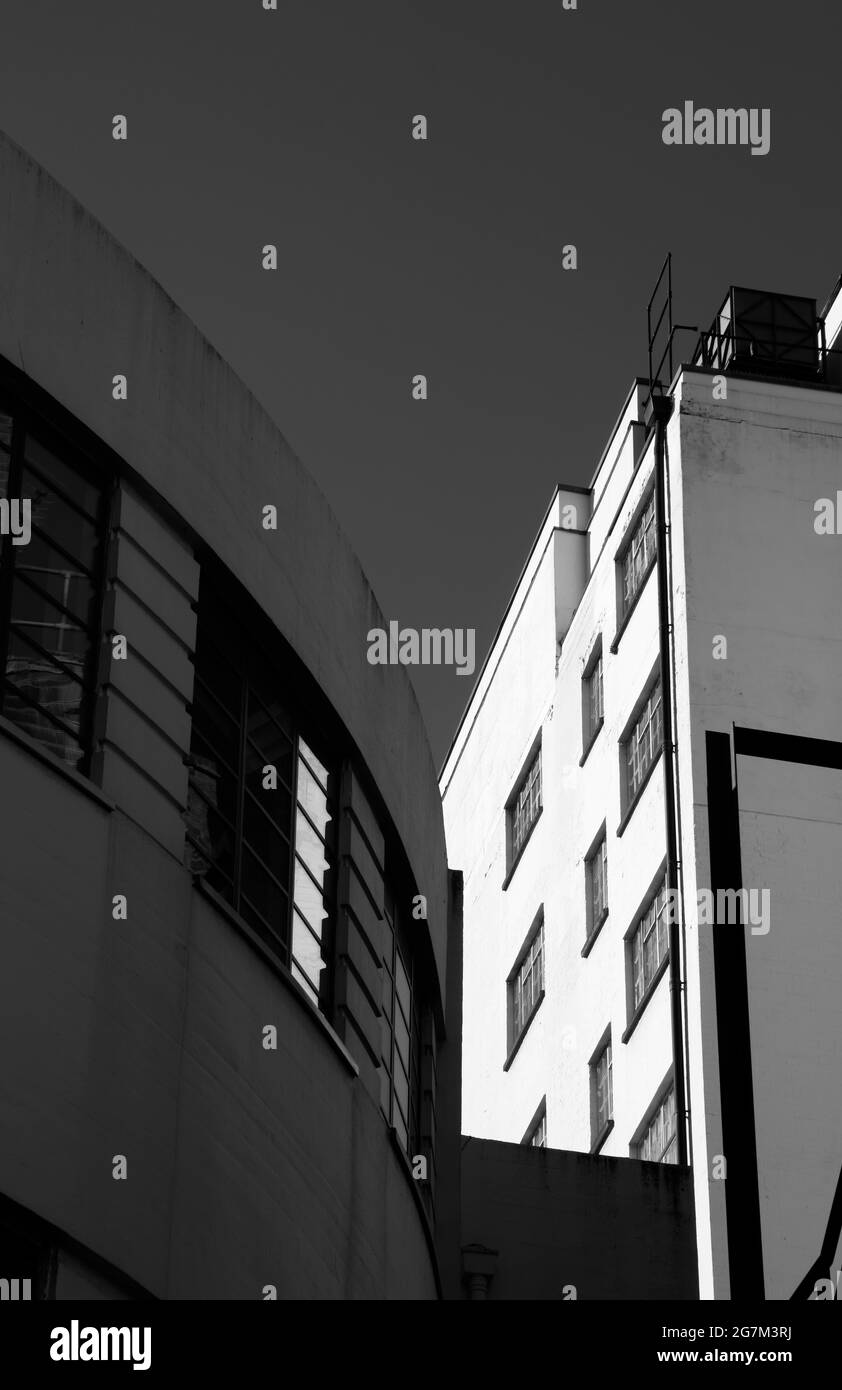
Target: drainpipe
<point x="479" y="1264"/>
<point x="661" y="407"/>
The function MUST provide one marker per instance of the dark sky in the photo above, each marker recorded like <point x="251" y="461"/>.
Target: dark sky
<point x="444" y="257"/>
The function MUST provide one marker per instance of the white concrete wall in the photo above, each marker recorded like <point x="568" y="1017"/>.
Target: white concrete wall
<point x="523" y="692"/>
<point x="745" y="475"/>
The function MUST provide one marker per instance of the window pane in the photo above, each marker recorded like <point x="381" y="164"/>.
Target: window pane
<point x="61" y="523"/>
<point x="302" y="979"/>
<point x="217" y="730"/>
<point x="402" y="987"/>
<point x="261" y="835"/>
<point x="56" y="577"/>
<point x="45" y="690"/>
<point x="316" y="767"/>
<point x="219" y="676"/>
<point x="37" y="678"/>
<point x="306" y="951"/>
<point x="264" y="893"/>
<point x="267" y="729"/>
<point x="311" y="797"/>
<point x="275" y="803"/>
<point x="308" y="899"/>
<point x="402" y="1039"/>
<point x="527" y="804"/>
<point x="39" y="619"/>
<point x="52" y="469"/>
<point x="310" y="848"/>
<point x="401" y="1086"/>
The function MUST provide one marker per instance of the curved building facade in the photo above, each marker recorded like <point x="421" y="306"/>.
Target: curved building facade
<point x="236" y="1071"/>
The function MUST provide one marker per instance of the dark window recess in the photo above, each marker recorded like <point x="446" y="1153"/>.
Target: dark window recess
<point x="603" y="1090"/>
<point x="639" y="554"/>
<point x="525" y="984"/>
<point x="659" y="1141"/>
<point x="524" y="808"/>
<point x="51" y="587"/>
<point x="649" y="944"/>
<point x="261" y="814"/>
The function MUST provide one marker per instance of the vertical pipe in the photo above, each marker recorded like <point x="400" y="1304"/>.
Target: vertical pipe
<point x="662" y="409"/>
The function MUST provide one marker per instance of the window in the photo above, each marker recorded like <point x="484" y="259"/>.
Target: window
<point x="603" y="1090"/>
<point x="659" y="1141"/>
<point x="592" y="700"/>
<point x="639" y="554"/>
<point x="50" y="586"/>
<point x="649" y="944"/>
<point x="525" y="806"/>
<point x="400" y="1036"/>
<point x="261" y="809"/>
<point x="526" y="983"/>
<point x="643" y="743"/>
<point x="538" y="1137"/>
<point x="596" y="878"/>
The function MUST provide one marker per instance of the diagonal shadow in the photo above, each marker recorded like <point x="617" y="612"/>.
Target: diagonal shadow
<point x="821" y="1266"/>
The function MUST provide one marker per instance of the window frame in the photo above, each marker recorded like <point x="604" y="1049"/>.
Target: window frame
<point x="629" y="797"/>
<point x="257" y="664"/>
<point x="643" y="525"/>
<point x="514" y="855"/>
<point x="601" y="1127"/>
<point x="514" y="1034"/>
<point x="665" y="1093"/>
<point x="594" y="921"/>
<point x="536" y="1124"/>
<point x="634" y="1010"/>
<point x="591" y="726"/>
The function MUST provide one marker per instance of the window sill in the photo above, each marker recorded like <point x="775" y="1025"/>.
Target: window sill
<point x="523" y="1032"/>
<point x="590" y="743"/>
<point x="641" y="1008"/>
<point x="277" y="967"/>
<point x="601" y="1137"/>
<point x="31" y="745"/>
<point x="507" y="880"/>
<point x="626" y="618"/>
<point x="629" y="811"/>
<point x="594" y="933"/>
